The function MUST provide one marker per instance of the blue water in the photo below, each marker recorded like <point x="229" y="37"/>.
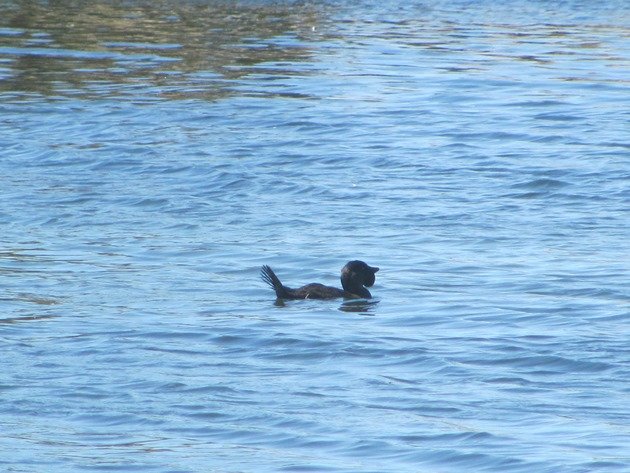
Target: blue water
<point x="154" y="156"/>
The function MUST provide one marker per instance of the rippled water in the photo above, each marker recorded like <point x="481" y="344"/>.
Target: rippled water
<point x="155" y="155"/>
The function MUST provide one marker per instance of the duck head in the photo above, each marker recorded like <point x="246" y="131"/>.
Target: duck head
<point x="356" y="275"/>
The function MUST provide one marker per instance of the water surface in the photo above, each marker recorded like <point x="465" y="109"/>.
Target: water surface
<point x="154" y="156"/>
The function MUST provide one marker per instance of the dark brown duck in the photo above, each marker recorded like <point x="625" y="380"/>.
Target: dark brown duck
<point x="355" y="277"/>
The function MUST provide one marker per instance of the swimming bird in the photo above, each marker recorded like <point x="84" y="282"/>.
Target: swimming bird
<point x="355" y="276"/>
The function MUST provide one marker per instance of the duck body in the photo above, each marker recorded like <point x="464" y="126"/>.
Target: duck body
<point x="355" y="276"/>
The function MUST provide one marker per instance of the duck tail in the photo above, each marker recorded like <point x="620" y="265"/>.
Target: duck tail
<point x="267" y="275"/>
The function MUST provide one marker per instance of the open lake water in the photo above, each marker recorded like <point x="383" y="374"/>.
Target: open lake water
<point x="153" y="155"/>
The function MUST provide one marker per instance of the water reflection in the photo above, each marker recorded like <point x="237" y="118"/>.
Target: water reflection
<point x="362" y="306"/>
<point x="177" y="48"/>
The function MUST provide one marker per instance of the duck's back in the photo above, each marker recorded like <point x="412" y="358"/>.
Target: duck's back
<point x="317" y="291"/>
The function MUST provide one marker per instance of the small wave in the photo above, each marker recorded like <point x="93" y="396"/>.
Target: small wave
<point x="541" y="184"/>
<point x="548" y="363"/>
<point x="84" y="55"/>
<point x="557" y="117"/>
<point x="26" y="318"/>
